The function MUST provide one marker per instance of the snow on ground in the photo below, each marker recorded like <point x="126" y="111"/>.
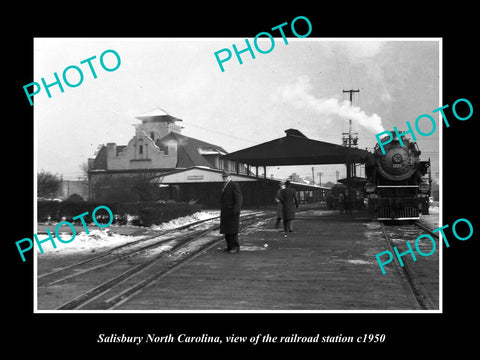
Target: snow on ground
<point x="103" y="239"/>
<point x="96" y="241"/>
<point x="175" y="223"/>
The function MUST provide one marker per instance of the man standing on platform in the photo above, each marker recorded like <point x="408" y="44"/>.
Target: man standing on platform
<point x="278" y="202"/>
<point x="231" y="204"/>
<point x="289" y="201"/>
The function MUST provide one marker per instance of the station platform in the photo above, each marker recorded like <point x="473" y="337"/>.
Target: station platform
<point x="327" y="263"/>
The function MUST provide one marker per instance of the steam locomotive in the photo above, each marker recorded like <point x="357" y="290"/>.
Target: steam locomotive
<point x="397" y="181"/>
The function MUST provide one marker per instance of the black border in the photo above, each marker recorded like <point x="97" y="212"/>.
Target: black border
<point x="408" y="333"/>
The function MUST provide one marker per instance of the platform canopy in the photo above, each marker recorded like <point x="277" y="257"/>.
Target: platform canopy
<point x="296" y="149"/>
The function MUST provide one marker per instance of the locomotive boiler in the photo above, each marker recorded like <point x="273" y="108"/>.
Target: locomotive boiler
<point x="396" y="180"/>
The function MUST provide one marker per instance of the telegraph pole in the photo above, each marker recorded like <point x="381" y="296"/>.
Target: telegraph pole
<point x="351" y="91"/>
<point x="349" y="143"/>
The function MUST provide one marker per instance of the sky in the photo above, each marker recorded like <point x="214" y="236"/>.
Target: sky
<point x="297" y="85"/>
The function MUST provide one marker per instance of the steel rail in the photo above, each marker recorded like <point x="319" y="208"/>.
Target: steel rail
<point x="91" y="295"/>
<point x="114" y="249"/>
<point x="421" y="297"/>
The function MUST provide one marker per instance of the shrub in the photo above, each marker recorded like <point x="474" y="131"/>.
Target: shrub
<point x="148" y="216"/>
<point x="149" y="213"/>
<point x="75" y="198"/>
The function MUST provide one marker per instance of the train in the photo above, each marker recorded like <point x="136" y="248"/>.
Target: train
<point x="397" y="181"/>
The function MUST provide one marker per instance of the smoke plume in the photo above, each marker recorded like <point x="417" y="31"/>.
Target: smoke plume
<point x="299" y="94"/>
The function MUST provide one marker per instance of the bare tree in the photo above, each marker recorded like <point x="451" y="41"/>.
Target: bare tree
<point x="125" y="188"/>
<point x="47" y="184"/>
<point x="84" y="168"/>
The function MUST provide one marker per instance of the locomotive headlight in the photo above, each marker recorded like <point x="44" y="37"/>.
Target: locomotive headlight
<point x="424" y="187"/>
<point x="397" y="158"/>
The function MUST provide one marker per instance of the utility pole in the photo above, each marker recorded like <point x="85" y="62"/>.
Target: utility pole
<point x="349" y="140"/>
<point x="351" y="91"/>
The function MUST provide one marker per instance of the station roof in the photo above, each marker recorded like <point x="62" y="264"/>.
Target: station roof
<point x="296" y="149"/>
<point x="190" y="151"/>
<point x="201" y="174"/>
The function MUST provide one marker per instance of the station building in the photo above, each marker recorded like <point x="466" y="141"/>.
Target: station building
<point x="187" y="169"/>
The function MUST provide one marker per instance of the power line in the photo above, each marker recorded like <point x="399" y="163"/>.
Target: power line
<point x="339" y="72"/>
<point x="220" y="133"/>
<point x="349" y="66"/>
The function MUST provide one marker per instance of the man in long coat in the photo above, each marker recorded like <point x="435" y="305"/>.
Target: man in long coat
<point x="290" y="205"/>
<point x="231" y="204"/>
<point x="278" y="202"/>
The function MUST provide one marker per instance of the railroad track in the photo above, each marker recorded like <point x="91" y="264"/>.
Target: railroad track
<point x="107" y="280"/>
<point x="422" y="276"/>
<point x="118" y="253"/>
